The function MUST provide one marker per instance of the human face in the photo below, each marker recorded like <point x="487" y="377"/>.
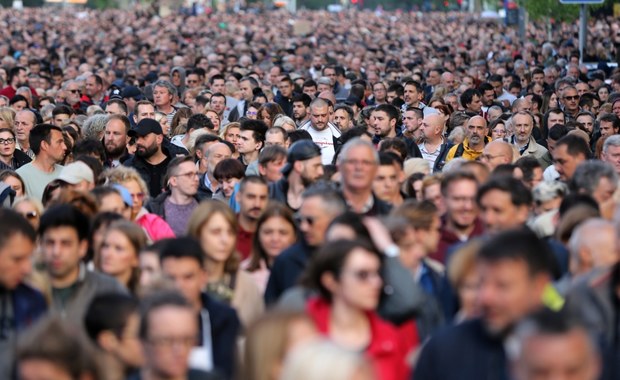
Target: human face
<point x="460" y="202"/>
<point x="218" y="104"/>
<point x="217" y="153"/>
<point x="582" y="88"/>
<point x="232" y="135"/>
<point x="612" y="155"/>
<point x="60" y="119"/>
<point x="114" y="109"/>
<point x="476" y="131"/>
<point x="42" y="369"/>
<point x="606" y="128"/>
<point x="319" y="115"/>
<point x="587" y="122"/>
<point x="92" y="88"/>
<point x="603" y="93"/>
<point x="412" y="96"/>
<point x="488" y="97"/>
<point x="275" y="138"/>
<point x="507" y="293"/>
<point x="391" y="96"/>
<point x="272" y="170"/>
<point x="118" y="257"/>
<point x="192" y="81"/>
<point x="172" y="334"/>
<point x="245" y="87"/>
<point x="604" y="190"/>
<point x="218" y="238"/>
<point x="215" y="119"/>
<point x="20" y="105"/>
<point x="114" y="203"/>
<point x="285" y="88"/>
<point x="15" y="260"/>
<point x="7" y="144"/>
<point x="564" y="163"/>
<point x="149" y="267"/>
<point x="145" y="111"/>
<point x="499" y="214"/>
<point x="56" y="148"/>
<point x="523" y="125"/>
<point x="616" y="108"/>
<point x="253" y="200"/>
<point x="62" y="253"/>
<point x="385" y="185"/>
<point x="24" y="122"/>
<point x="310" y="170"/>
<point x="475" y="105"/>
<point x="147" y="146"/>
<point x="411" y="121"/>
<point x="359" y="168"/>
<point x="342" y="120"/>
<point x="570" y="99"/>
<point x="115" y="138"/>
<point x="493" y="155"/>
<point x="246" y="143"/>
<point x="15" y="184"/>
<point x="331" y="74"/>
<point x="275" y="235"/>
<point x="219" y="85"/>
<point x="313" y="220"/>
<point x="251" y="113"/>
<point x="379" y="92"/>
<point x="228" y="186"/>
<point x="137" y="194"/>
<point x="566" y="356"/>
<point x="499" y="132"/>
<point x="359" y="284"/>
<point x="383" y="125"/>
<point x="187" y="275"/>
<point x="185" y="179"/>
<point x="161" y="97"/>
<point x="300" y="111"/>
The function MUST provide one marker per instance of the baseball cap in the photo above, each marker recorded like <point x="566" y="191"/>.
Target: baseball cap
<point x="144" y="127"/>
<point x="300" y="151"/>
<point x="132" y="92"/>
<point x="76" y="172"/>
<point x="125" y="194"/>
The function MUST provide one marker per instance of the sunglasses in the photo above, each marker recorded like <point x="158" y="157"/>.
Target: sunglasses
<point x="74" y="91"/>
<point x="300" y="219"/>
<point x="30" y="215"/>
<point x="574" y="97"/>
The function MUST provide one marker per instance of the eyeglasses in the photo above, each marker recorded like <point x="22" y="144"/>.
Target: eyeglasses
<point x="138" y="196"/>
<point x="574" y="97"/>
<point x="189" y="175"/>
<point x="74" y="91"/>
<point x="9" y="141"/>
<point x="192" y="81"/>
<point x="365" y="275"/>
<point x="30" y="215"/>
<point x="249" y="113"/>
<point x="299" y="219"/>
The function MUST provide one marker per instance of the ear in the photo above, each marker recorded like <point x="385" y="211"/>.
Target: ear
<point x="135" y="118"/>
<point x="393" y="123"/>
<point x="107" y="340"/>
<point x="261" y="170"/>
<point x="298" y="166"/>
<point x="329" y="281"/>
<point x="159" y="139"/>
<point x="83" y="248"/>
<point x="199" y="154"/>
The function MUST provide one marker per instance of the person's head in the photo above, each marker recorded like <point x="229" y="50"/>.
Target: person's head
<point x="116" y="136"/>
<point x="285" y="331"/>
<point x="16" y="248"/>
<point x="570" y="99"/>
<point x="122" y="242"/>
<point x="523" y="124"/>
<point x="14" y="180"/>
<point x="182" y="262"/>
<point x="515" y="268"/>
<point x="47" y="141"/>
<point x="347" y="272"/>
<point x="286" y="87"/>
<point x="386" y="184"/>
<point x="412" y="119"/>
<point x="252" y="197"/>
<point x="275" y="231"/>
<point x="301" y="104"/>
<point x="320" y="205"/>
<point x="143" y="110"/>
<point x="496" y="152"/>
<point x="199" y="121"/>
<point x="549" y="344"/>
<point x="251" y="136"/>
<point x="531" y="169"/>
<point x="432" y="127"/>
<point x="609" y="124"/>
<point x="592" y="245"/>
<point x="54" y="348"/>
<point x="413" y="93"/>
<point x="228" y="172"/>
<point x="343" y="117"/>
<point x="569" y="152"/>
<point x="463" y="277"/>
<point x="149" y="138"/>
<point x="304" y="162"/>
<point x="214" y="154"/>
<point x="214" y="224"/>
<point x="247" y="86"/>
<point x="182" y="177"/>
<point x="130" y="179"/>
<point x="358" y="162"/>
<point x="385" y="118"/>
<point x="63" y="233"/>
<point x="319" y="114"/>
<point x="116" y="107"/>
<point x="471" y="100"/>
<point x="164" y="94"/>
<point x="596" y="178"/>
<point x="611" y="152"/>
<point x="476" y="130"/>
<point x="276" y="136"/>
<point x="112" y="322"/>
<point x="504" y="203"/>
<point x="459" y="190"/>
<point x="271" y="160"/>
<point x="168" y="332"/>
<point x="587" y="119"/>
<point x="94" y="86"/>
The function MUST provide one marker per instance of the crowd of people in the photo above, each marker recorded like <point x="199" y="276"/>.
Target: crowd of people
<point x="266" y="196"/>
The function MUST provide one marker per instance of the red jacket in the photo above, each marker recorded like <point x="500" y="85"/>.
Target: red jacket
<point x="387" y="349"/>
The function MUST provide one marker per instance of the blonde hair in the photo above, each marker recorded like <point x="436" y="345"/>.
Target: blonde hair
<point x="7" y="114"/>
<point x="121" y="174"/>
<point x="201" y="216"/>
<point x="463" y="262"/>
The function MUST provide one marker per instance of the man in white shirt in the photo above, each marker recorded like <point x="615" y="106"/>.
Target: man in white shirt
<point x="324" y="134"/>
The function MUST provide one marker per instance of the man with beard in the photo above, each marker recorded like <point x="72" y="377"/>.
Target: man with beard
<point x="323" y="133"/>
<point x="301" y="104"/>
<point x="515" y="271"/>
<point x="523" y="124"/>
<point x="303" y="168"/>
<point x="476" y="137"/>
<point x="151" y="159"/>
<point x="115" y="140"/>
<point x="18" y="77"/>
<point x="252" y="198"/>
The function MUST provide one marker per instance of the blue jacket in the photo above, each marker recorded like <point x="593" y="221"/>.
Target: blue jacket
<point x="464" y="351"/>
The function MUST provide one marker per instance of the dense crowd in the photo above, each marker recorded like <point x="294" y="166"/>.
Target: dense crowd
<point x="267" y="196"/>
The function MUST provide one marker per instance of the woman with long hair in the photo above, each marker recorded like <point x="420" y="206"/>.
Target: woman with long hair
<point x="214" y="224"/>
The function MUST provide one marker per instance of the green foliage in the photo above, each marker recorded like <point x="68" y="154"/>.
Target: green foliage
<point x="545" y="9"/>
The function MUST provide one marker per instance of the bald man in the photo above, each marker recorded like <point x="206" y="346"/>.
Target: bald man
<point x="497" y="153"/>
<point x="434" y="148"/>
<point x="447" y="80"/>
<point x="476" y="137"/>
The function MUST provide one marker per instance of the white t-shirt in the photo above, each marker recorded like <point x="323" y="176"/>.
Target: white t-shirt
<point x="325" y="140"/>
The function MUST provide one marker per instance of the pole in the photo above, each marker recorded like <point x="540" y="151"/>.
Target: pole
<point x="582" y="30"/>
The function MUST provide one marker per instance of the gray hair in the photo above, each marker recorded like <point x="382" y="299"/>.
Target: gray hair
<point x="355" y="143"/>
<point x="94" y="126"/>
<point x="549" y="190"/>
<point x="586" y="233"/>
<point x="333" y="203"/>
<point x="589" y="173"/>
<point x="169" y="86"/>
<point x="613" y="140"/>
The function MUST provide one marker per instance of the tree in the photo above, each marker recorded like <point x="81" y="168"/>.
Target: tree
<point x="547" y="10"/>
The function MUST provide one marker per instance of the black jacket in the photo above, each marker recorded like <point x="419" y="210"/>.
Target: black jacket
<point x="278" y="191"/>
<point x="286" y="270"/>
<point x="225" y="328"/>
<point x="152" y="175"/>
<point x="441" y="159"/>
<point x="285" y="103"/>
<point x="379" y="207"/>
<point x="19" y="159"/>
<point x="203" y="191"/>
<point x="464" y="351"/>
